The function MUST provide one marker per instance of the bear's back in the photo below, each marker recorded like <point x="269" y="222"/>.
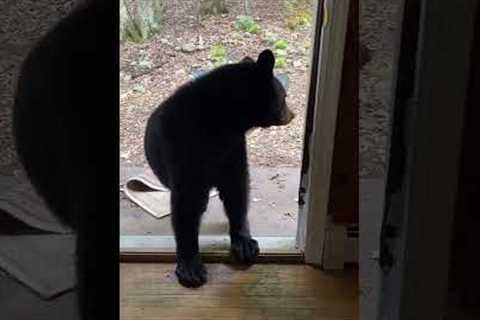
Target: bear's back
<point x="212" y="103"/>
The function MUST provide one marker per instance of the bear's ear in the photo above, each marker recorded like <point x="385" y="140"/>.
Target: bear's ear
<point x="247" y="60"/>
<point x="266" y="61"/>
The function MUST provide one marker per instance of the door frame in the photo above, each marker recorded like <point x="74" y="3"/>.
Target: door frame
<point x="425" y="144"/>
<point x="314" y="227"/>
<point x="330" y="24"/>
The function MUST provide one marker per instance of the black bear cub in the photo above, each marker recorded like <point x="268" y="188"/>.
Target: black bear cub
<point x="195" y="141"/>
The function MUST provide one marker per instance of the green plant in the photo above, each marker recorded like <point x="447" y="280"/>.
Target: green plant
<point x="280" y="44"/>
<point x="280" y="53"/>
<point x="218" y="54"/>
<point x="246" y="24"/>
<point x="299" y="13"/>
<point x="280" y="62"/>
<point x="299" y="20"/>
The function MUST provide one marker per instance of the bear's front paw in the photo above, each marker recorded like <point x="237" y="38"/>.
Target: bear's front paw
<point x="191" y="274"/>
<point x="244" y="249"/>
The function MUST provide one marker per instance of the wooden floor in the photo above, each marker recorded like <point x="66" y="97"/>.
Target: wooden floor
<point x="263" y="292"/>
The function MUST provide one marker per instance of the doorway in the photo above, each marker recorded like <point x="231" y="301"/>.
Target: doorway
<point x="289" y="207"/>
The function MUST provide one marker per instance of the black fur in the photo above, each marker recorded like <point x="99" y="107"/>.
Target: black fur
<point x="195" y="140"/>
<point x="64" y="123"/>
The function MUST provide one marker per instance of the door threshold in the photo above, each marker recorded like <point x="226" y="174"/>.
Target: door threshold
<point x="213" y="249"/>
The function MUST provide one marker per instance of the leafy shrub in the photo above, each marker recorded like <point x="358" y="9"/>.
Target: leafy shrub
<point x="299" y="13"/>
<point x="299" y="20"/>
<point x="280" y="53"/>
<point x="246" y="24"/>
<point x="280" y="62"/>
<point x="218" y="54"/>
<point x="280" y="44"/>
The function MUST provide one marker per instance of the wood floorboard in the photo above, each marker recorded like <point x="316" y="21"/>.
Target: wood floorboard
<point x="150" y="291"/>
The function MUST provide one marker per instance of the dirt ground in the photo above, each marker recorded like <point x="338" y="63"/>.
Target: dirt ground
<point x="151" y="71"/>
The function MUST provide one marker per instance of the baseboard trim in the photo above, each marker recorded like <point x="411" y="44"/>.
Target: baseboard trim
<point x="341" y="246"/>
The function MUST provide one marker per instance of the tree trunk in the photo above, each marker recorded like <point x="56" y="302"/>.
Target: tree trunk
<point x="246" y="6"/>
<point x="214" y="7"/>
<point x="140" y="19"/>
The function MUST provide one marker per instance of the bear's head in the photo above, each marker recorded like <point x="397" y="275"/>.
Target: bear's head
<point x="270" y="107"/>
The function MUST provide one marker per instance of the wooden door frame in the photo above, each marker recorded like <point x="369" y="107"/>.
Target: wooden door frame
<point x="320" y="126"/>
<point x="424" y="161"/>
<point x="313" y="225"/>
